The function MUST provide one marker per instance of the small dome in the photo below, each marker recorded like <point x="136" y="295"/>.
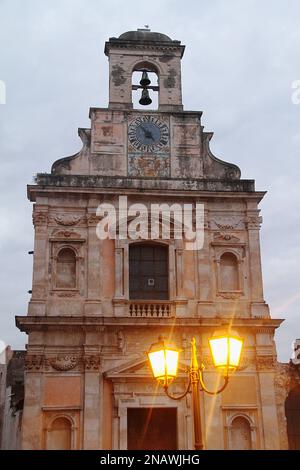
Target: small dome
<point x="144" y="35"/>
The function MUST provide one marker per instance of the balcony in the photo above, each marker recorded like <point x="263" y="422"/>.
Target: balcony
<point x="151" y="309"/>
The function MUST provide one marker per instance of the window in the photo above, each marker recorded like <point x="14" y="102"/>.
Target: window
<point x="66" y="269"/>
<point x="229" y="272"/>
<point x="148" y="272"/>
<point x="240" y="434"/>
<point x="59" y="435"/>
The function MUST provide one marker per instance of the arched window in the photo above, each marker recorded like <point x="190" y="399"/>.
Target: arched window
<point x="148" y="272"/>
<point x="292" y="412"/>
<point x="229" y="272"/>
<point x="240" y="434"/>
<point x="59" y="436"/>
<point x="66" y="269"/>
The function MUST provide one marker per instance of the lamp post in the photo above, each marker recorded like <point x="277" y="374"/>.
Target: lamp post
<point x="226" y="352"/>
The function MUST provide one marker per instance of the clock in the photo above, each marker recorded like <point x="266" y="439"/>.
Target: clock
<point x="148" y="134"/>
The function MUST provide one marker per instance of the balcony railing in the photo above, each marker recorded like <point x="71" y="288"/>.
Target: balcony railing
<point x="154" y="309"/>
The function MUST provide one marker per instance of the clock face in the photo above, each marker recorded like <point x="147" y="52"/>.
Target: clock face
<point x="148" y="134"/>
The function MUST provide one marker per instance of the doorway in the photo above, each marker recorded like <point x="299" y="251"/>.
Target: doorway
<point x="151" y="428"/>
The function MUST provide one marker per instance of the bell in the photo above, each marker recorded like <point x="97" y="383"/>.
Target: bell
<point x="145" y="79"/>
<point x="145" y="98"/>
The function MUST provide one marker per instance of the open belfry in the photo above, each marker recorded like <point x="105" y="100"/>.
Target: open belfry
<point x="99" y="302"/>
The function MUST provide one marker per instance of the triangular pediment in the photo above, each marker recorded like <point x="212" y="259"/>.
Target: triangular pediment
<point x="138" y="367"/>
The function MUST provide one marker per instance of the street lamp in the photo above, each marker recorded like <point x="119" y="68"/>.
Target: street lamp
<point x="226" y="352"/>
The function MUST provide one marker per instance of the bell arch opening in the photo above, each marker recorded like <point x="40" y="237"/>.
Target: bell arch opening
<point x="145" y="86"/>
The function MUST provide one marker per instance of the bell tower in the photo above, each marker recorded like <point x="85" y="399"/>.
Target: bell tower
<point x="144" y="50"/>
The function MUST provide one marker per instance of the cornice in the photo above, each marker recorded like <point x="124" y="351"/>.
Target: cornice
<point x="33" y="323"/>
<point x="202" y="188"/>
<point x="164" y="46"/>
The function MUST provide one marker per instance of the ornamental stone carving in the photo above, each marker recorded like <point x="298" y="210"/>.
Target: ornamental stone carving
<point x="64" y="363"/>
<point x="92" y="363"/>
<point x="38" y="362"/>
<point x="64" y="294"/>
<point x="228" y="223"/>
<point x="225" y="226"/>
<point x="92" y="219"/>
<point x="282" y="383"/>
<point x="66" y="234"/>
<point x="39" y="218"/>
<point x="265" y="362"/>
<point x="121" y="340"/>
<point x="225" y="237"/>
<point x="229" y="295"/>
<point x="33" y="362"/>
<point x="254" y="222"/>
<point x="67" y="220"/>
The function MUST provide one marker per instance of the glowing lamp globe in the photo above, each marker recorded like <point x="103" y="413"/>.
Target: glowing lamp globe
<point x="226" y="349"/>
<point x="164" y="362"/>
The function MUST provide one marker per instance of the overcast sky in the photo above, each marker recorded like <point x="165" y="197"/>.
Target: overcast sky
<point x="240" y="62"/>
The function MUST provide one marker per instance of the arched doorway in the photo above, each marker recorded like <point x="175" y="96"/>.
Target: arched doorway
<point x="292" y="412"/>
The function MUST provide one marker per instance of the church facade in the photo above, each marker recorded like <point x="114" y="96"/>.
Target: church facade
<point x="98" y="303"/>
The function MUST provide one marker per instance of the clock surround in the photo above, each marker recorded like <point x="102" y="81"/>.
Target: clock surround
<point x="148" y="133"/>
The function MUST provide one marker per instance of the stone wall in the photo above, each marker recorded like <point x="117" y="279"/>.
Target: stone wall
<point x="12" y="400"/>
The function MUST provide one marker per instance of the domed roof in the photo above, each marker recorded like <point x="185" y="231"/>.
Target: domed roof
<point x="144" y="35"/>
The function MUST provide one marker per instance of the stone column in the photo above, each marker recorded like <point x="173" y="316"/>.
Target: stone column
<point x="121" y="277"/>
<point x="266" y="374"/>
<point x="40" y="283"/>
<point x="205" y="284"/>
<point x="93" y="275"/>
<point x="119" y="272"/>
<point x="179" y="272"/>
<point x="92" y="402"/>
<point x="172" y="271"/>
<point x="253" y="225"/>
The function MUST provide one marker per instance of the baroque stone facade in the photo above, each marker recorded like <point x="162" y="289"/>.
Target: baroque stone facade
<point x="86" y="368"/>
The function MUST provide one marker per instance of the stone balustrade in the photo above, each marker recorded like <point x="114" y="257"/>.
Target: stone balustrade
<point x="150" y="309"/>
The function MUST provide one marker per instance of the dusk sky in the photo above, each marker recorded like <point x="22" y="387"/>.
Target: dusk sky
<point x="241" y="61"/>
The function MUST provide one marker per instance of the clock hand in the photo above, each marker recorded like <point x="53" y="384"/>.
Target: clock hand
<point x="147" y="133"/>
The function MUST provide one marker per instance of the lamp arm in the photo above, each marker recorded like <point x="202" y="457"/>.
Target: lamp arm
<point x="166" y="389"/>
<point x="226" y="380"/>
